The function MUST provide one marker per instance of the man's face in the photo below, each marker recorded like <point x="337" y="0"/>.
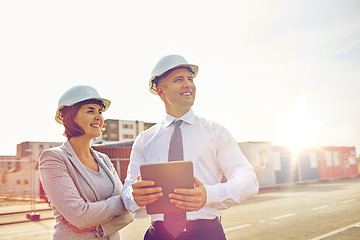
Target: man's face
<point x="177" y="90"/>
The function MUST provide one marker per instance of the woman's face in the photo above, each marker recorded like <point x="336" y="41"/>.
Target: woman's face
<point x="90" y="120"/>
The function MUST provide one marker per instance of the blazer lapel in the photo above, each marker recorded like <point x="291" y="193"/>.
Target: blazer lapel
<point x="71" y="155"/>
<point x="106" y="168"/>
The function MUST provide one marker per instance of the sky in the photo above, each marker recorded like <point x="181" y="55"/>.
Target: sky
<point x="287" y="72"/>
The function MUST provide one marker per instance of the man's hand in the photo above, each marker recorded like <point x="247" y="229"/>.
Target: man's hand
<point x="144" y="193"/>
<point x="189" y="199"/>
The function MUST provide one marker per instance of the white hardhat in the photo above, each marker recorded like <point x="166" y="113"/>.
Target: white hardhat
<point x="78" y="94"/>
<point x="165" y="64"/>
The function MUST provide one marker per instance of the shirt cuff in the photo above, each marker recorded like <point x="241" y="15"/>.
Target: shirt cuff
<point x="212" y="194"/>
<point x="130" y="204"/>
<point x="134" y="208"/>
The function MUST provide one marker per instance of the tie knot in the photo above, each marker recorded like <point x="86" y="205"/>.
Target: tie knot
<point x="177" y="123"/>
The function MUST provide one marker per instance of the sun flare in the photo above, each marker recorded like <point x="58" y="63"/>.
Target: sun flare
<point x="298" y="131"/>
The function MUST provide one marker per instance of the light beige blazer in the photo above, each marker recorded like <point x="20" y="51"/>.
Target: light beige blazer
<point x="73" y="195"/>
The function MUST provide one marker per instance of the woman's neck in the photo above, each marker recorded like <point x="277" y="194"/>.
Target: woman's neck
<point x="81" y="146"/>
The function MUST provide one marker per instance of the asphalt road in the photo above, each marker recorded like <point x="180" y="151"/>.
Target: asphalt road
<point x="313" y="211"/>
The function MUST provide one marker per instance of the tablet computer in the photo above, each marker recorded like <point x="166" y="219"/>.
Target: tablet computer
<point x="168" y="176"/>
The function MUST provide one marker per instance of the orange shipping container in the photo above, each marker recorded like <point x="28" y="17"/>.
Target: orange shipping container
<point x="336" y="162"/>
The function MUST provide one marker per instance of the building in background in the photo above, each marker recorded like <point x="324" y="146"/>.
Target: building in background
<point x="308" y="164"/>
<point x="7" y="163"/>
<point x="261" y="157"/>
<point x="121" y="131"/>
<point x="33" y="149"/>
<point x="286" y="168"/>
<point x="22" y="178"/>
<point x="274" y="165"/>
<point x="335" y="162"/>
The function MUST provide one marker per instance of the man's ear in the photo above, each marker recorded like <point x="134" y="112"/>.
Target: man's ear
<point x="159" y="90"/>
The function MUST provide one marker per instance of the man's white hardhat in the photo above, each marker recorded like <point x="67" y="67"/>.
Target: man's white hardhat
<point x="78" y="94"/>
<point x="165" y="64"/>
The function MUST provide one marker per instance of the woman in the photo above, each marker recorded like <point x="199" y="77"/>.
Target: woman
<point x="81" y="184"/>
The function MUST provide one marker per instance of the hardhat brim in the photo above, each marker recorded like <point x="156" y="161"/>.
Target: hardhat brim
<point x="152" y="85"/>
<point x="59" y="120"/>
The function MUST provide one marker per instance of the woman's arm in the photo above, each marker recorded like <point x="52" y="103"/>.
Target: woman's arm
<point x="64" y="195"/>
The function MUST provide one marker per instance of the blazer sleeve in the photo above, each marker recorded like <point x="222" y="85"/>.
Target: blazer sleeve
<point x="114" y="225"/>
<point x="65" y="197"/>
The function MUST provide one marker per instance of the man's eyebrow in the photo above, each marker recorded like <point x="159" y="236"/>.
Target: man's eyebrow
<point x="179" y="76"/>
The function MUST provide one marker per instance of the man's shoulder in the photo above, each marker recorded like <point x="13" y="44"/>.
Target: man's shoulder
<point x="212" y="127"/>
<point x="208" y="123"/>
<point x="147" y="136"/>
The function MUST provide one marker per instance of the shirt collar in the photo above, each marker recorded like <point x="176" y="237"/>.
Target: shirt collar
<point x="188" y="117"/>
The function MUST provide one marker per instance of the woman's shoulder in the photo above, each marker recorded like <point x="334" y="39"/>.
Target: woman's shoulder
<point x="53" y="152"/>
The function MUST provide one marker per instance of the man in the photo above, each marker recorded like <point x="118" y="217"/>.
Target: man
<point x="208" y="145"/>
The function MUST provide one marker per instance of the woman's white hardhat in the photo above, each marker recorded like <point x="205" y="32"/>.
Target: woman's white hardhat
<point x="78" y="94"/>
<point x="165" y="64"/>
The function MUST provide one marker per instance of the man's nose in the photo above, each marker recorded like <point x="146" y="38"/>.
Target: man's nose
<point x="188" y="83"/>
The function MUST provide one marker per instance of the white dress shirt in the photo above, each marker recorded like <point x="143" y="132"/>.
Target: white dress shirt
<point x="214" y="153"/>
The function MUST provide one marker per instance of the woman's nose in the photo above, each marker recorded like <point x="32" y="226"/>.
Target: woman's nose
<point x="99" y="117"/>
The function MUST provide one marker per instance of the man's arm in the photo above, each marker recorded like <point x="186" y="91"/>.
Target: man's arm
<point x="242" y="182"/>
<point x="137" y="192"/>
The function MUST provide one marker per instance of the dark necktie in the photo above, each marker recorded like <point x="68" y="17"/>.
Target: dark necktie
<point x="175" y="223"/>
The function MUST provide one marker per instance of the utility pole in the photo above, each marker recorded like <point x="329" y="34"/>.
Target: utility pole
<point x="299" y="166"/>
<point x="33" y="215"/>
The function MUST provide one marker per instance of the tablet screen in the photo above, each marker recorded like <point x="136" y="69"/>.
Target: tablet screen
<point x="168" y="176"/>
